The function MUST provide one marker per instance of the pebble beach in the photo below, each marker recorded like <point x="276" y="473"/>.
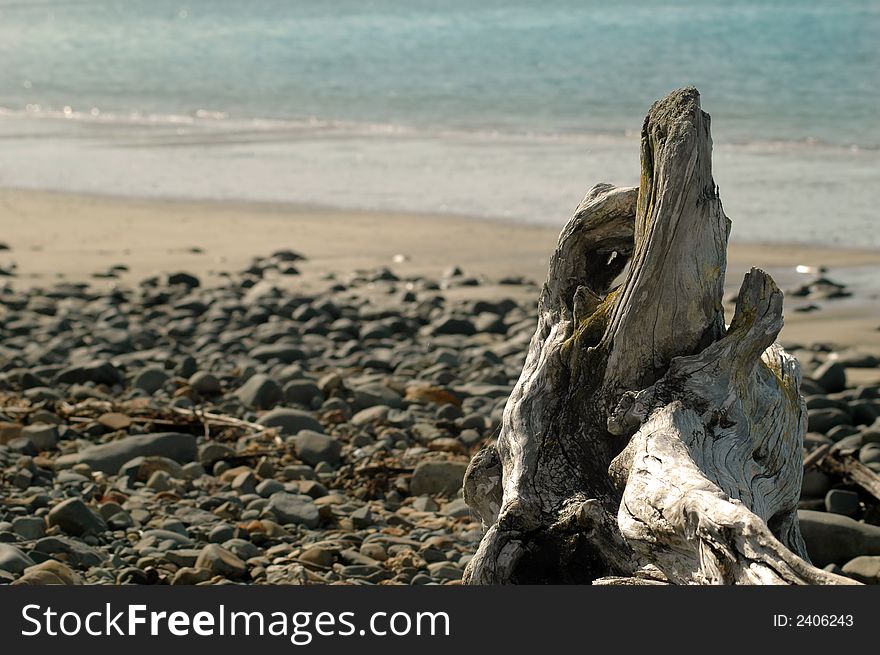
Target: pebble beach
<point x="197" y="394"/>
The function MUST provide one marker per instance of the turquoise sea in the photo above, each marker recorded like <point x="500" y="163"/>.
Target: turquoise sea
<point x="507" y="110"/>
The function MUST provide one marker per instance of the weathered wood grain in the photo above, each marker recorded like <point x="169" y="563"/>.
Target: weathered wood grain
<point x="644" y="442"/>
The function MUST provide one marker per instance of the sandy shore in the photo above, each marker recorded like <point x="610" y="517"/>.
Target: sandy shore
<point x="55" y="236"/>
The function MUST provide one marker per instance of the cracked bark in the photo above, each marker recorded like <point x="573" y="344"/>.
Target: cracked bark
<point x="644" y="442"/>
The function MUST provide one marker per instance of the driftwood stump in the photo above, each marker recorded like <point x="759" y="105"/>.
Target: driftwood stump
<point x="646" y="442"/>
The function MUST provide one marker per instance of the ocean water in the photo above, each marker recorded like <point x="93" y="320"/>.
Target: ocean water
<point x="507" y="110"/>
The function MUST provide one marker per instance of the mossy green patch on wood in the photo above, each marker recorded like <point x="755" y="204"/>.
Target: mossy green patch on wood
<point x="590" y="329"/>
<point x="785" y="383"/>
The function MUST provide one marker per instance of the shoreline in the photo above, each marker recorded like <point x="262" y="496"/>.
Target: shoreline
<point x="56" y="236"/>
<point x="532" y="181"/>
<point x="257" y="129"/>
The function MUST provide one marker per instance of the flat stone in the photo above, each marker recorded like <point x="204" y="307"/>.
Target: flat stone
<point x="298" y="472"/>
<point x="25" y="447"/>
<point x="183" y="278"/>
<point x="362" y="518"/>
<point x="452" y="325"/>
<point x="44" y="436"/>
<point x="368" y="572"/>
<point x="98" y="372"/>
<point x="229" y="474"/>
<point x="221" y="533"/>
<point x="245" y="483"/>
<point x="13" y="560"/>
<point x="174" y="525"/>
<point x="840" y="501"/>
<point x="853" y="358"/>
<point x="74" y="552"/>
<point x="193" y="471"/>
<point x="319" y="555"/>
<point x="220" y="561"/>
<point x="43" y="394"/>
<point x="437" y="477"/>
<point x="374" y="551"/>
<point x="425" y="504"/>
<point x="469" y="438"/>
<point x="831" y="376"/>
<point x="186" y="367"/>
<point x="870" y="453"/>
<point x="58" y="569"/>
<point x="191" y="576"/>
<point x="421" y="393"/>
<point x="312" y="489"/>
<point x="848" y="445"/>
<point x="813" y="440"/>
<point x="282" y="352"/>
<point x="290" y="421"/>
<point x="213" y="452"/>
<point x="9" y="431"/>
<point x="833" y="538"/>
<point x="108" y="457"/>
<point x="150" y="380"/>
<point x="445" y="571"/>
<point x="865" y="568"/>
<point x="330" y="383"/>
<point x="140" y="515"/>
<point x="487" y="323"/>
<point x="302" y="392"/>
<point x="287" y="255"/>
<point x="259" y="392"/>
<point x="205" y="383"/>
<point x="822" y="420"/>
<point x="108" y="509"/>
<point x="29" y="527"/>
<point x="45" y="416"/>
<point x="120" y="521"/>
<point x="115" y="421"/>
<point x="268" y="487"/>
<point x="183" y="556"/>
<point x="132" y="575"/>
<point x="369" y="395"/>
<point x="293" y="508"/>
<point x="314" y="448"/>
<point x="76" y="518"/>
<point x="38" y="578"/>
<point x="815" y="484"/>
<point x="242" y="549"/>
<point x="157" y="535"/>
<point x="865" y="412"/>
<point x="160" y="481"/>
<point x="457" y="509"/>
<point x="69" y="476"/>
<point x="273" y="529"/>
<point x="821" y="401"/>
<point x="809" y="388"/>
<point x="141" y="468"/>
<point x="35" y="501"/>
<point x="371" y="415"/>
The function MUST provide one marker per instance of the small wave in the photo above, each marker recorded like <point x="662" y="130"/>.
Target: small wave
<point x="211" y="119"/>
<point x="207" y="118"/>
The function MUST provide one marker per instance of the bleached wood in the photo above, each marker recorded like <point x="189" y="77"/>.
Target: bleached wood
<point x="643" y="442"/>
<point x="851" y="470"/>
